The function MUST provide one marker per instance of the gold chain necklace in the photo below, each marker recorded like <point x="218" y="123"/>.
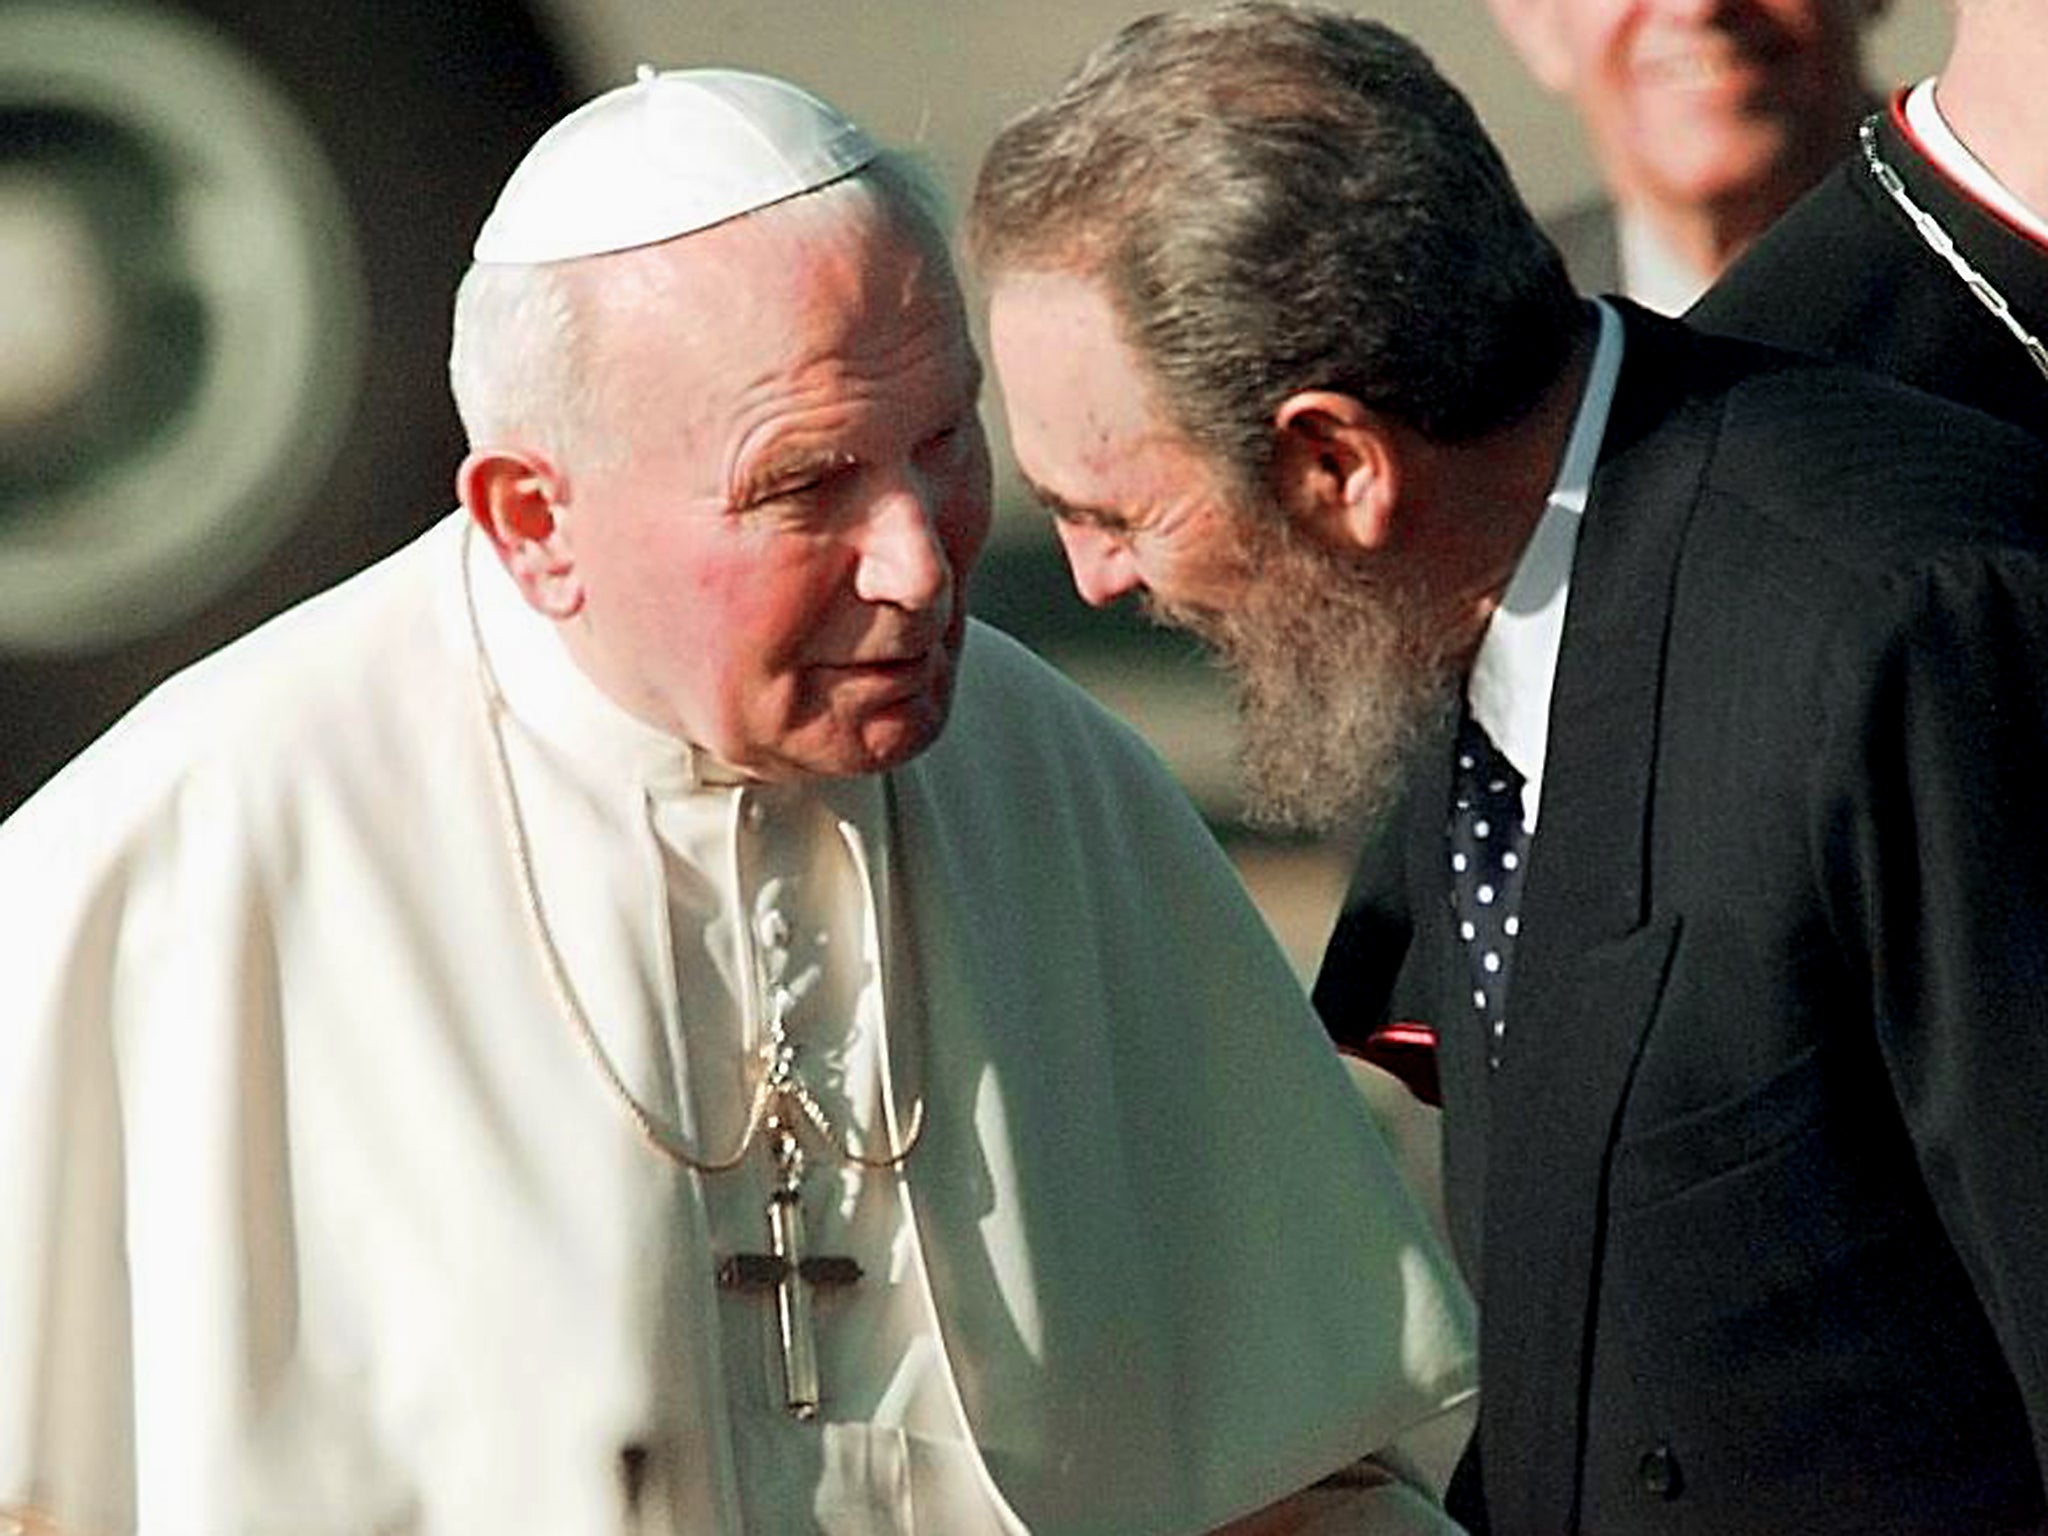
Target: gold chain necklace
<point x="1939" y="241"/>
<point x="781" y="1098"/>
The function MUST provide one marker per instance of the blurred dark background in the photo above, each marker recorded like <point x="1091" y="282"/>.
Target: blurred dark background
<point x="228" y="230"/>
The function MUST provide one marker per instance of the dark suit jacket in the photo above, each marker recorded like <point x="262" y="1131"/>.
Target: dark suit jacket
<point x="1845" y="275"/>
<point x="1756" y="1206"/>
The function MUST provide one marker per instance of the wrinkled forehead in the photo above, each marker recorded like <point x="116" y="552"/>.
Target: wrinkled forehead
<point x="846" y="328"/>
<point x="836" y="265"/>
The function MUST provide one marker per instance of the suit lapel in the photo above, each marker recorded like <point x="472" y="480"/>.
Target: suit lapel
<point x="1590" y="960"/>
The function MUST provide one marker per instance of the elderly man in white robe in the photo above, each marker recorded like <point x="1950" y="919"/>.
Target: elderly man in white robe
<point x="548" y="1037"/>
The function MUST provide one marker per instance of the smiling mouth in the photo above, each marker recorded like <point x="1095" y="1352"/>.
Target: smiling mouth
<point x="1698" y="71"/>
<point x="1707" y="63"/>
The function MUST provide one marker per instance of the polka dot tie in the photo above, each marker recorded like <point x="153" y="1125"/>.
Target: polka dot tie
<point x="1488" y="845"/>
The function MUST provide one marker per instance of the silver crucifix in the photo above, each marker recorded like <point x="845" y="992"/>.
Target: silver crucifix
<point x="784" y="1101"/>
<point x="786" y="1269"/>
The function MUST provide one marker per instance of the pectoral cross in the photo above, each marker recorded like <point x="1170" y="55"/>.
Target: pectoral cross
<point x="783" y="1102"/>
<point x="787" y="1270"/>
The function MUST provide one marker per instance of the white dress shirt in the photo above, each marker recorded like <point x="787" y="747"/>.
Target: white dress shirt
<point x="1516" y="668"/>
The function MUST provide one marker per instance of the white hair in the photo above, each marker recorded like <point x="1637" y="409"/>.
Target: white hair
<point x="517" y="338"/>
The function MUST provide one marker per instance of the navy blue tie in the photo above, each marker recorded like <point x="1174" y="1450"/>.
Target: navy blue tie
<point x="1489" y="848"/>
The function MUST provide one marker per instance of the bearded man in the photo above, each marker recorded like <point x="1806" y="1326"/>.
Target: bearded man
<point x="1705" y="686"/>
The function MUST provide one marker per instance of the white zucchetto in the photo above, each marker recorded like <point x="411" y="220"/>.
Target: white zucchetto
<point x="676" y="151"/>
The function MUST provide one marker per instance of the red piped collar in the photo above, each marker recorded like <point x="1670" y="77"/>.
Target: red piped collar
<point x="1896" y="110"/>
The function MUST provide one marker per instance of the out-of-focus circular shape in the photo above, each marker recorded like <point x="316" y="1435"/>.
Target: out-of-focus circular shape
<point x="183" y="373"/>
<point x="56" y="328"/>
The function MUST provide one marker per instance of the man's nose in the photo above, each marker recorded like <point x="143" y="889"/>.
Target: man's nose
<point x="1100" y="563"/>
<point x="902" y="559"/>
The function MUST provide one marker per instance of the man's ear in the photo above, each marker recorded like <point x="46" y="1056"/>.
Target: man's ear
<point x="1337" y="469"/>
<point x="1535" y="29"/>
<point x="516" y="499"/>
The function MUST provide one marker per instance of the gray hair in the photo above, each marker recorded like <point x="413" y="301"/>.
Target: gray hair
<point x="1279" y="198"/>
<point x="519" y="363"/>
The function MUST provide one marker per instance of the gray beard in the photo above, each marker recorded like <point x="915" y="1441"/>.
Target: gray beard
<point x="1338" y="678"/>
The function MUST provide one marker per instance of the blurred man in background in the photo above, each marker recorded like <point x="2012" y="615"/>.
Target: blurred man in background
<point x="1706" y="118"/>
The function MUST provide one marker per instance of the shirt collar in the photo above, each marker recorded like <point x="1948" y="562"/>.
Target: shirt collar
<point x="1512" y="676"/>
<point x="1949" y="155"/>
<point x="1653" y="273"/>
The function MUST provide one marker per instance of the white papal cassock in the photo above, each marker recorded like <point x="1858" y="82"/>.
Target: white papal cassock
<point x="319" y="1218"/>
